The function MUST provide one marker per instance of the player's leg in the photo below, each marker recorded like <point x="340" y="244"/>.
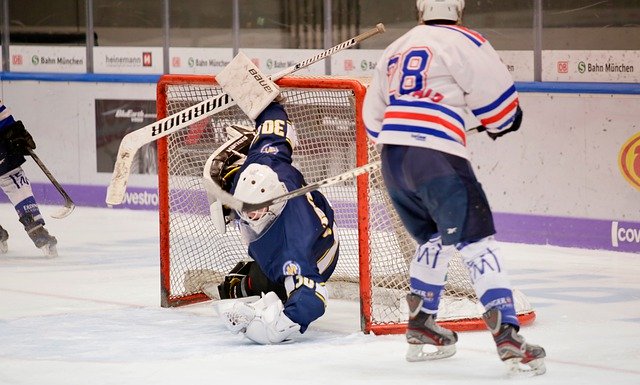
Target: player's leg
<point x="483" y="258"/>
<point x="18" y="189"/>
<point x="404" y="178"/>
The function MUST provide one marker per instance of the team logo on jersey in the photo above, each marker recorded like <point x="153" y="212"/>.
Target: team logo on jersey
<point x="291" y="268"/>
<point x="267" y="149"/>
<point x="629" y="160"/>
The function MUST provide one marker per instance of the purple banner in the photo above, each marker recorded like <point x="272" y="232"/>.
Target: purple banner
<point x="584" y="233"/>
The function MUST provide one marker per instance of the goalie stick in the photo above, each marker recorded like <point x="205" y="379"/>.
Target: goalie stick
<point x="213" y="189"/>
<point x="240" y="205"/>
<point x="166" y="126"/>
<point x="68" y="203"/>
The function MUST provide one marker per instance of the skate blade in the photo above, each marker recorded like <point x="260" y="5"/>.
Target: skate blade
<point x="50" y="251"/>
<point x="415" y="353"/>
<point x="535" y="367"/>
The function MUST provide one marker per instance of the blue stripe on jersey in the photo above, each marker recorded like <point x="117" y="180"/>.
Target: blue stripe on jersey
<point x="372" y="133"/>
<point x="423" y="104"/>
<point x="8" y="120"/>
<point x="507" y="94"/>
<point x="469" y="36"/>
<point x="416" y="129"/>
<point x="507" y="123"/>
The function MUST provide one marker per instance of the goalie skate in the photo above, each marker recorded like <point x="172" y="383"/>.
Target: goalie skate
<point x="513" y="350"/>
<point x="422" y="330"/>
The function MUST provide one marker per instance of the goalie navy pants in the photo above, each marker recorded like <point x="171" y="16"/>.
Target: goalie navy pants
<point x="435" y="192"/>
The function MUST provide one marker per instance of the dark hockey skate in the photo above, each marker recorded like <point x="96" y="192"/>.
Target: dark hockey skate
<point x="43" y="241"/>
<point x="423" y="330"/>
<point x="517" y="354"/>
<point x="39" y="235"/>
<point x="4" y="235"/>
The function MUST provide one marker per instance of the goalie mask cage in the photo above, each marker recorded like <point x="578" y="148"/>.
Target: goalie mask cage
<point x="375" y="250"/>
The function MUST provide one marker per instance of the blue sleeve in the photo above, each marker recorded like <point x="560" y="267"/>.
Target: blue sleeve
<point x="274" y="133"/>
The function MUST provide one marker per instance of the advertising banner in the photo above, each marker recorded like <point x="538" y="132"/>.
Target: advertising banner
<point x="591" y="66"/>
<point x="127" y="60"/>
<point x="355" y="62"/>
<point x="205" y="61"/>
<point x="270" y="61"/>
<point x="519" y="64"/>
<point x="34" y="58"/>
<point x="115" y="119"/>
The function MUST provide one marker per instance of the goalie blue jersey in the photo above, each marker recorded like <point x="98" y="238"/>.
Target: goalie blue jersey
<point x="301" y="242"/>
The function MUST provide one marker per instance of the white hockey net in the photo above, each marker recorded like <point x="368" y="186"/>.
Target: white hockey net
<point x="374" y="247"/>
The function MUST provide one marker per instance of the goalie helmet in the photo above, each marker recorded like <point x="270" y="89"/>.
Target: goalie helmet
<point x="440" y="9"/>
<point x="258" y="183"/>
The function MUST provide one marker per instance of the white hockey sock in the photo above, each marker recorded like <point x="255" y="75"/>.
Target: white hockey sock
<point x="489" y="277"/>
<point x="428" y="271"/>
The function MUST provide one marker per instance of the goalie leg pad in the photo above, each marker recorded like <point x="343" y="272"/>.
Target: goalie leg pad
<point x="262" y="321"/>
<point x="271" y="325"/>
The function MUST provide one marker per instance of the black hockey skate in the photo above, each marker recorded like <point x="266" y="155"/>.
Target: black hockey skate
<point x="39" y="235"/>
<point x="517" y="354"/>
<point x="4" y="235"/>
<point x="423" y="330"/>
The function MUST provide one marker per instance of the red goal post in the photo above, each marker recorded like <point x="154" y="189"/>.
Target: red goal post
<point x="375" y="249"/>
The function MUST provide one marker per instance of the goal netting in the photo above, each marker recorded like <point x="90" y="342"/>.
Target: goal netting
<point x="375" y="250"/>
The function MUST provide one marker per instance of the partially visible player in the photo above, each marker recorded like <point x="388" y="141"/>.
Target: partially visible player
<point x="294" y="244"/>
<point x="430" y="86"/>
<point x="15" y="141"/>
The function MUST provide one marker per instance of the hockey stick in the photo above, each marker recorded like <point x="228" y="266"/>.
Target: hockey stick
<point x="166" y="126"/>
<point x="239" y="205"/>
<point x="68" y="203"/>
<point x="214" y="190"/>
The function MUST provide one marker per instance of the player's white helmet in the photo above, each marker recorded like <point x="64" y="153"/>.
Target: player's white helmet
<point x="258" y="183"/>
<point x="440" y="9"/>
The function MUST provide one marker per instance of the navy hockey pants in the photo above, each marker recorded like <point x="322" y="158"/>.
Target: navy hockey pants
<point x="435" y="192"/>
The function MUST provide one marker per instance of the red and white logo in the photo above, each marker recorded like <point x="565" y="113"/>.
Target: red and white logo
<point x="629" y="160"/>
<point x="256" y="61"/>
<point x="348" y="65"/>
<point x="175" y="61"/>
<point x="146" y="59"/>
<point x="16" y="60"/>
<point x="563" y="67"/>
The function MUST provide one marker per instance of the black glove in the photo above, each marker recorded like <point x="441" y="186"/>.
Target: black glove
<point x="517" y="120"/>
<point x="17" y="139"/>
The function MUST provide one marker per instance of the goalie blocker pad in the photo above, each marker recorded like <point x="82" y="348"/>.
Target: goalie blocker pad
<point x="249" y="88"/>
<point x="246" y="279"/>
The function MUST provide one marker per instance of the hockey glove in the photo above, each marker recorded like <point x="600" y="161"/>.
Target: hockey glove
<point x="517" y="120"/>
<point x="17" y="139"/>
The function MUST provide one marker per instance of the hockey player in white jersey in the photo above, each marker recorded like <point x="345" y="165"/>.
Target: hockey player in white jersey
<point x="15" y="141"/>
<point x="429" y="88"/>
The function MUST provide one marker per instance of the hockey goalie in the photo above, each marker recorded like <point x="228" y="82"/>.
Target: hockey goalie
<point x="293" y="246"/>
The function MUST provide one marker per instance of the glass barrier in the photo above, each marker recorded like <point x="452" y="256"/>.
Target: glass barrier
<point x="169" y="35"/>
<point x="591" y="25"/>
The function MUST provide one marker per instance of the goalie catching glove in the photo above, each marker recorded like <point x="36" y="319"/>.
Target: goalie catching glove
<point x="225" y="163"/>
<point x="229" y="157"/>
